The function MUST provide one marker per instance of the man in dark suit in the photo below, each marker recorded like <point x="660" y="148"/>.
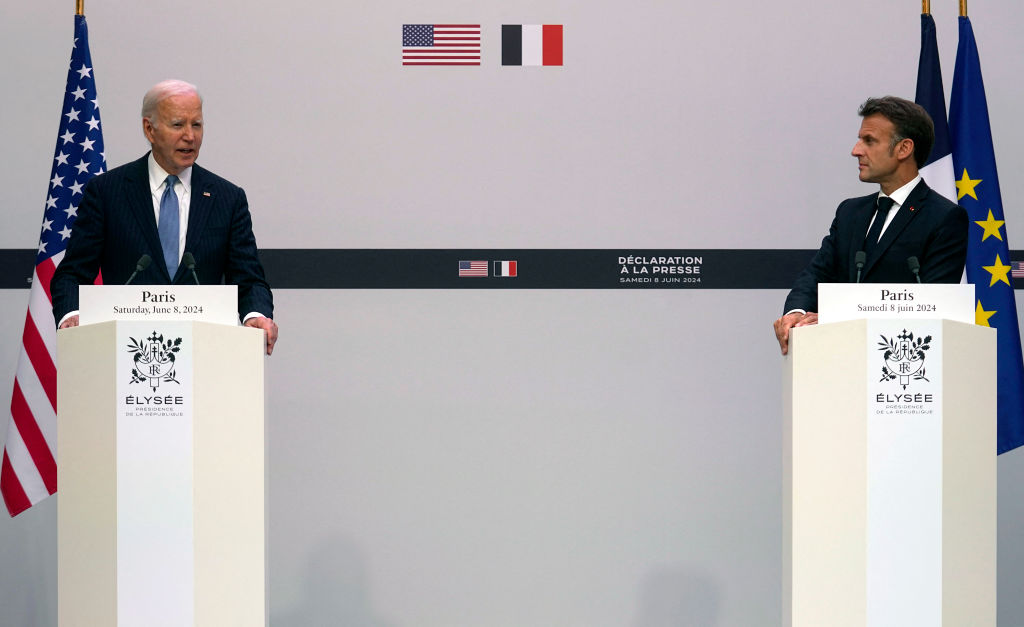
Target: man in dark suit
<point x="163" y="205"/>
<point x="905" y="219"/>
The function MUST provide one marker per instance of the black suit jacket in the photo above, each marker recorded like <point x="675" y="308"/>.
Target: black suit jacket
<point x="927" y="226"/>
<point x="116" y="225"/>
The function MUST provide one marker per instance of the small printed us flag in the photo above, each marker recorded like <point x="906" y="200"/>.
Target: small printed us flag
<point x="506" y="268"/>
<point x="440" y="44"/>
<point x="472" y="268"/>
<point x="1017" y="269"/>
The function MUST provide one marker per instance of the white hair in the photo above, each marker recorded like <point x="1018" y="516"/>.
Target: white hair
<point x="166" y="89"/>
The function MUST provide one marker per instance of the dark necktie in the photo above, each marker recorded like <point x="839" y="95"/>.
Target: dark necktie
<point x="168" y="226"/>
<point x="884" y="205"/>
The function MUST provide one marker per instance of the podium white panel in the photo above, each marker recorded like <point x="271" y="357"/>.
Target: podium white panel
<point x="889" y="481"/>
<point x="161" y="509"/>
<point x="230" y="478"/>
<point x="181" y="303"/>
<point x="841" y="302"/>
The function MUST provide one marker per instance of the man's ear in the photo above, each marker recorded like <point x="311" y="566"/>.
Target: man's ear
<point x="905" y="149"/>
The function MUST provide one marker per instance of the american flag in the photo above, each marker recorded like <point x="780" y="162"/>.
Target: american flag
<point x="440" y="44"/>
<point x="472" y="268"/>
<point x="1017" y="269"/>
<point x="29" y="471"/>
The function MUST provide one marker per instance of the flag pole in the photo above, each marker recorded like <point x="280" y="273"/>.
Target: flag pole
<point x="926" y="7"/>
<point x="963" y="8"/>
<point x="79" y="7"/>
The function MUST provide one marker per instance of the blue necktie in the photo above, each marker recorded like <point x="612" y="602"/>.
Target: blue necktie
<point x="169" y="226"/>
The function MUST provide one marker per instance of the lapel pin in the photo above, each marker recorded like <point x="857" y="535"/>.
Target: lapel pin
<point x="911" y="208"/>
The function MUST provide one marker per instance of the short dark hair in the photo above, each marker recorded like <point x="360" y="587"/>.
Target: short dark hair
<point x="910" y="119"/>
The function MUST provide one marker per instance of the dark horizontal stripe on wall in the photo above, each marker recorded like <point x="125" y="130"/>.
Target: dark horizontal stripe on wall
<point x="534" y="268"/>
<point x="16" y="268"/>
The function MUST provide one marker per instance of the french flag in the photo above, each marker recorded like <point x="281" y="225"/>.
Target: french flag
<point x="531" y="44"/>
<point x="938" y="171"/>
<point x="506" y="268"/>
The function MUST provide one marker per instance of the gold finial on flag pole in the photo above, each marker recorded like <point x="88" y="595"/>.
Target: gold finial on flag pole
<point x="963" y="8"/>
<point x="79" y="7"/>
<point x="926" y="7"/>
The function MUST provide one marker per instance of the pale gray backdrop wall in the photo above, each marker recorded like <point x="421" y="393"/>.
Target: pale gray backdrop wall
<point x="492" y="458"/>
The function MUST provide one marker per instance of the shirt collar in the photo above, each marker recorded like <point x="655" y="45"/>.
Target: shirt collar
<point x="158" y="175"/>
<point x="900" y="195"/>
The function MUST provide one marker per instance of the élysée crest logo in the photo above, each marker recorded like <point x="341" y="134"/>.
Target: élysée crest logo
<point x="154" y="360"/>
<point x="904" y="357"/>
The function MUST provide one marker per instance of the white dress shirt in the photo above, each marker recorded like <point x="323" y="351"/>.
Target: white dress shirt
<point x="898" y="198"/>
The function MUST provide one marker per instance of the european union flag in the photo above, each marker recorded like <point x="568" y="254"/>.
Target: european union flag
<point x="988" y="252"/>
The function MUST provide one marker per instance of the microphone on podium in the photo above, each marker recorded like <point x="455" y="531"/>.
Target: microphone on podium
<point x="915" y="267"/>
<point x="140" y="266"/>
<point x="190" y="264"/>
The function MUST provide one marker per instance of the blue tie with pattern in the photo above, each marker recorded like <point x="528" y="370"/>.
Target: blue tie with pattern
<point x="169" y="226"/>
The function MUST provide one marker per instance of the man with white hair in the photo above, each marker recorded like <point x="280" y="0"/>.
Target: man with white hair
<point x="164" y="205"/>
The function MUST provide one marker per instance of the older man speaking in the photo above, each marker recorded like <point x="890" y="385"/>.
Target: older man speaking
<point x="164" y="205"/>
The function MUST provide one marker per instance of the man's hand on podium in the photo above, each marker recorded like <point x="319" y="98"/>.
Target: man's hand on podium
<point x="267" y="325"/>
<point x="790" y="320"/>
<point x="72" y="321"/>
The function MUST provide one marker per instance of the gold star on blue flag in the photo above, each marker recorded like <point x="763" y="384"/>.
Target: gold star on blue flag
<point x="978" y="191"/>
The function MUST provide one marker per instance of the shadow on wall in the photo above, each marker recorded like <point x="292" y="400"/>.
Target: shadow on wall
<point x="336" y="591"/>
<point x="675" y="597"/>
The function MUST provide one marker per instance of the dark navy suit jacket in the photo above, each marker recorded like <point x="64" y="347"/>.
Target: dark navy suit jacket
<point x="927" y="226"/>
<point x="116" y="225"/>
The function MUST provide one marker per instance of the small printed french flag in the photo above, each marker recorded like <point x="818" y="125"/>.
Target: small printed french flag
<point x="505" y="268"/>
<point x="531" y="44"/>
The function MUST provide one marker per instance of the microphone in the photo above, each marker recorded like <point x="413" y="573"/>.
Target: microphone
<point x="140" y="266"/>
<point x="190" y="264"/>
<point x="915" y="267"/>
<point x="859" y="259"/>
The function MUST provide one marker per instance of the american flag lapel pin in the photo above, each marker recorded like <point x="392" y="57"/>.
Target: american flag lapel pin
<point x="207" y="194"/>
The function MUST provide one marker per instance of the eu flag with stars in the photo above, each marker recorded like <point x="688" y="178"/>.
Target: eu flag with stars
<point x="988" y="252"/>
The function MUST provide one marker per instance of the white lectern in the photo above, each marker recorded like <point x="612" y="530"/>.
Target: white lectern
<point x="161" y="475"/>
<point x="890" y="475"/>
